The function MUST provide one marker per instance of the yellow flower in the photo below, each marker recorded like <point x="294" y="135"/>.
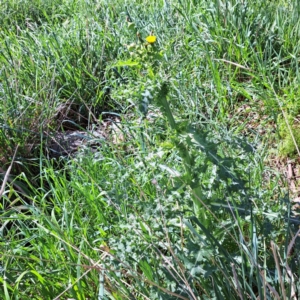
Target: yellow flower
<point x="151" y="39"/>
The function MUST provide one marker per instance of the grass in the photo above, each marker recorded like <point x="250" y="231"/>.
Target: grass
<point x="178" y="198"/>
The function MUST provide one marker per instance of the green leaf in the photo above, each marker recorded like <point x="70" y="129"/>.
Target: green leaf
<point x="147" y="270"/>
<point x="128" y="63"/>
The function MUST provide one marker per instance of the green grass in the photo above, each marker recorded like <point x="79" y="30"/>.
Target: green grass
<point x="180" y="200"/>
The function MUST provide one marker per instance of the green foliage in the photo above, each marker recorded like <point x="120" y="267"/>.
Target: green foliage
<point x="177" y="202"/>
<point x="288" y="123"/>
<point x="287" y="147"/>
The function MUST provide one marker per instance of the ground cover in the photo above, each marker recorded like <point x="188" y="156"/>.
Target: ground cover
<point x="144" y="146"/>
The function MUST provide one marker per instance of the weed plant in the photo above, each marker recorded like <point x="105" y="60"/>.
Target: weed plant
<point x="179" y="201"/>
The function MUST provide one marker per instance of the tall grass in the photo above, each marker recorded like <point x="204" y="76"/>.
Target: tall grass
<point x="180" y="200"/>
